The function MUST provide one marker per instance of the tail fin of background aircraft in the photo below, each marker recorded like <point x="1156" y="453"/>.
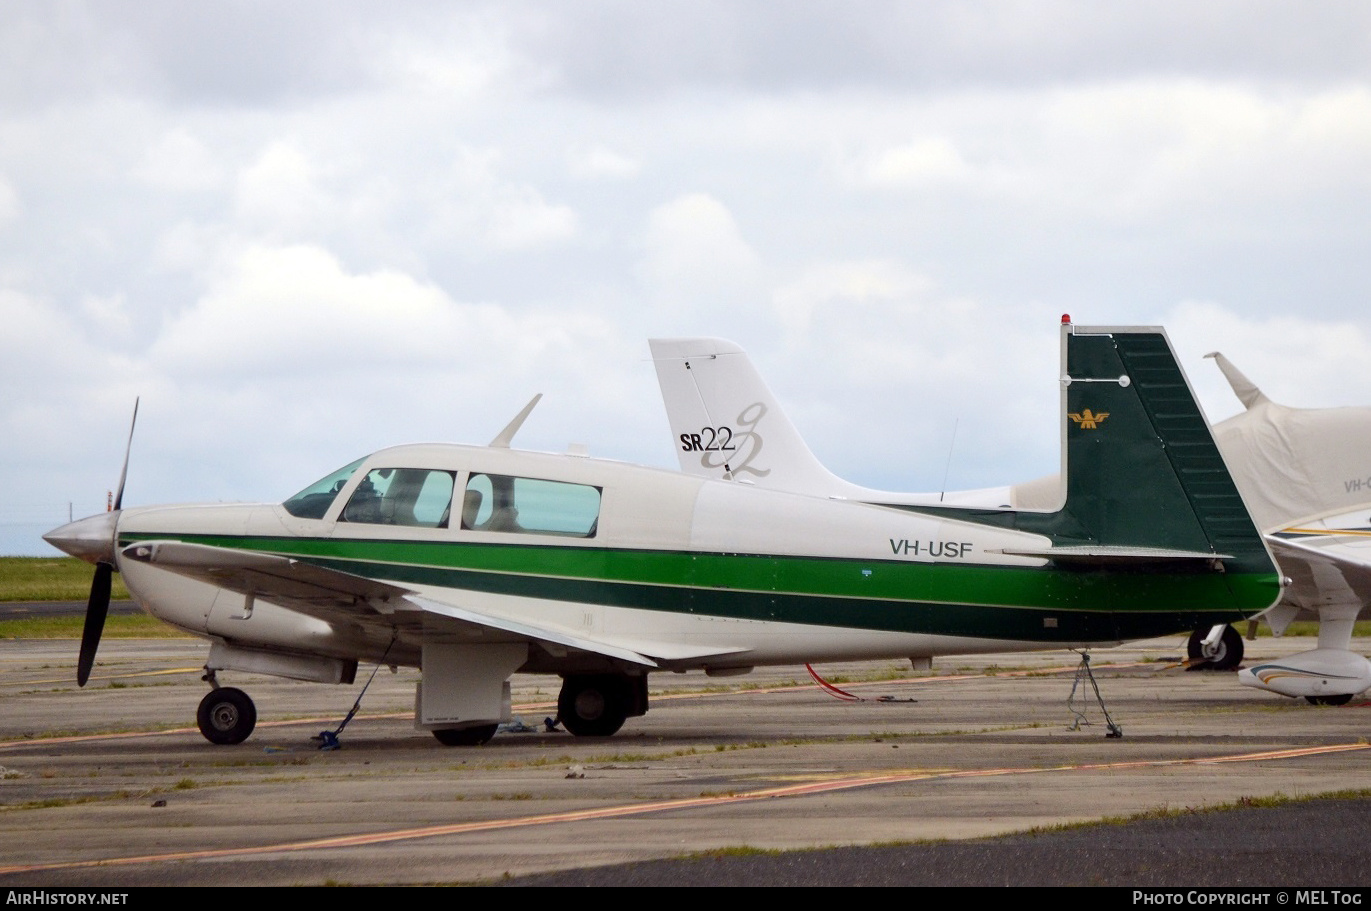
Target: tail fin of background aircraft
<point x="1246" y="390"/>
<point x="726" y="424"/>
<point x="723" y="416"/>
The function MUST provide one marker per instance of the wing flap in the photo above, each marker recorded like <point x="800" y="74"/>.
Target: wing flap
<point x="636" y="650"/>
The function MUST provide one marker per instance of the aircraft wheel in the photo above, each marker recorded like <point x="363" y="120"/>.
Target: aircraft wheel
<point x="466" y="737"/>
<point x="1226" y="656"/>
<point x="593" y="705"/>
<point x="226" y="716"/>
<point x="1339" y="699"/>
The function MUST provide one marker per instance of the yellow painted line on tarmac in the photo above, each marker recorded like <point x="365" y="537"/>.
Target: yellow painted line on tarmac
<point x="848" y="782"/>
<point x="66" y="681"/>
<point x="130" y="735"/>
<point x="898" y="681"/>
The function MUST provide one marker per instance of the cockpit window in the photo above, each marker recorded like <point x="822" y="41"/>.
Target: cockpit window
<point x="314" y="500"/>
<point x="495" y="502"/>
<point x="417" y="497"/>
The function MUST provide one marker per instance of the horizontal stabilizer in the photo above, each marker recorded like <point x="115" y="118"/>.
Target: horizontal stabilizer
<point x="1102" y="555"/>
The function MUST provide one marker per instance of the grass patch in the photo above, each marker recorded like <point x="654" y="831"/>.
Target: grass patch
<point x="132" y="626"/>
<point x="732" y="851"/>
<point x="50" y="579"/>
<point x="49" y="803"/>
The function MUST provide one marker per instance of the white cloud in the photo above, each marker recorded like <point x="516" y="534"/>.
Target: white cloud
<point x="519" y="217"/>
<point x="696" y="255"/>
<point x="452" y="53"/>
<point x="108" y="317"/>
<point x="1151" y="149"/>
<point x="68" y="389"/>
<point x="9" y="202"/>
<point x="473" y="205"/>
<point x="1295" y="360"/>
<point x="839" y="286"/>
<point x="929" y="160"/>
<point x="288" y="321"/>
<point x="180" y="161"/>
<point x="279" y="193"/>
<point x="598" y="162"/>
<point x="187" y="246"/>
<point x="294" y="309"/>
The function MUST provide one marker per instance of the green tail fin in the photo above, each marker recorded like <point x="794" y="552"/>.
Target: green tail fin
<point x="1141" y="468"/>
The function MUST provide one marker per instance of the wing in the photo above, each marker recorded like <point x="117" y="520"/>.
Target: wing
<point x="335" y="596"/>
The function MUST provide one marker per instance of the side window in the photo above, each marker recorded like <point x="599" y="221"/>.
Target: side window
<point x="502" y="503"/>
<point x="417" y="497"/>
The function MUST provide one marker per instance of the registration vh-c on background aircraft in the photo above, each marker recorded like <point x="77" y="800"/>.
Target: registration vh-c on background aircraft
<point x="1305" y="474"/>
<point x="475" y="563"/>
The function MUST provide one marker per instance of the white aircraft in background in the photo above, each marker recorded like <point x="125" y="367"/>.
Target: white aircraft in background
<point x="475" y="563"/>
<point x="1305" y="474"/>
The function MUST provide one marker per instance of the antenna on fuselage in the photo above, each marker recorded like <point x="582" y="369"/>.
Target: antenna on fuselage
<point x="506" y="436"/>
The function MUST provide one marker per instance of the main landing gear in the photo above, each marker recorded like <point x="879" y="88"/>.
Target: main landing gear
<point x="226" y="716"/>
<point x="596" y="705"/>
<point x="1224" y="655"/>
<point x="590" y="705"/>
<point x="466" y="737"/>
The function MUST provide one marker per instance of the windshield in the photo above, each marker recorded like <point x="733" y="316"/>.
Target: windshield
<point x="314" y="500"/>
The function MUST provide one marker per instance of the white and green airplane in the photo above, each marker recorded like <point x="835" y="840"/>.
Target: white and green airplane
<point x="1305" y="474"/>
<point x="476" y="563"/>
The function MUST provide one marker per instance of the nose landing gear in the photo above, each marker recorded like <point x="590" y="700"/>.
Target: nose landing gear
<point x="226" y="716"/>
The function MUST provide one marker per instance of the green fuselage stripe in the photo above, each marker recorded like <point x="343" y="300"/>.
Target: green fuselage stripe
<point x="995" y="602"/>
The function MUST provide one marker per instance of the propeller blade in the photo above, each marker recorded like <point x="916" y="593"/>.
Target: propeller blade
<point x="98" y="606"/>
<point x="123" y="473"/>
<point x="96" y="609"/>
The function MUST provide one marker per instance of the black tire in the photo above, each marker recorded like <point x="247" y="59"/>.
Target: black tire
<point x="466" y="737"/>
<point x="593" y="705"/>
<point x="226" y="716"/>
<point x="1339" y="699"/>
<point x="1227" y="656"/>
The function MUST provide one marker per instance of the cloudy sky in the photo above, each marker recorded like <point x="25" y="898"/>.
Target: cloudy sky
<point x="302" y="232"/>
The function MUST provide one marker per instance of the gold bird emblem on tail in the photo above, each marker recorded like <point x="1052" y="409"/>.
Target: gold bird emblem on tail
<point x="1088" y="419"/>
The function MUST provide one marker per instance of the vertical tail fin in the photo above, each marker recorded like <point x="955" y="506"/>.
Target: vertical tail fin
<point x="1142" y="467"/>
<point x="726" y="423"/>
<point x="1143" y="479"/>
